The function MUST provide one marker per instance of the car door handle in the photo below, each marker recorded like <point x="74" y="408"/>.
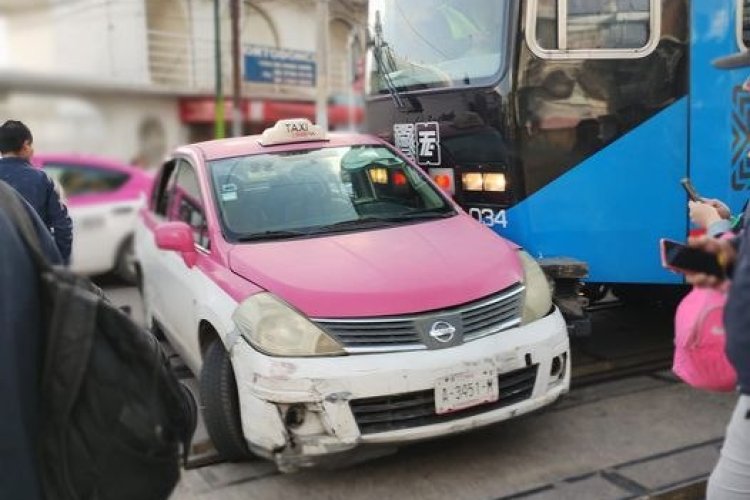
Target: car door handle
<point x="122" y="210"/>
<point x="91" y="222"/>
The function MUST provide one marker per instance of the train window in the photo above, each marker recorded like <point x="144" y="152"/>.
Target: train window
<point x="744" y="24"/>
<point x="623" y="24"/>
<point x="546" y="24"/>
<point x="592" y="29"/>
<point x="423" y="44"/>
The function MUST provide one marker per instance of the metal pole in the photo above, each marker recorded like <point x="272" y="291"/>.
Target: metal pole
<point x="350" y="75"/>
<point x="321" y="98"/>
<point x="236" y="74"/>
<point x="219" y="92"/>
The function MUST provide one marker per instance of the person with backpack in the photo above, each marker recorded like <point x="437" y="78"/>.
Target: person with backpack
<point x="21" y="340"/>
<point x="16" y="148"/>
<point x="98" y="412"/>
<point x="700" y="341"/>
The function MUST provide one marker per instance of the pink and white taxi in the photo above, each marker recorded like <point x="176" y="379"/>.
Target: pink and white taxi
<point x="330" y="297"/>
<point x="103" y="198"/>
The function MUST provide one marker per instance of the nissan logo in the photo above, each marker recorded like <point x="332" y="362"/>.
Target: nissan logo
<point x="442" y="331"/>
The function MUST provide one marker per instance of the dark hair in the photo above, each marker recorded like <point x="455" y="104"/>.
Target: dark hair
<point x="12" y="136"/>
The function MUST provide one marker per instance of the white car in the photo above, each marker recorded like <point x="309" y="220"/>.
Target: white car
<point x="103" y="198"/>
<point x="330" y="296"/>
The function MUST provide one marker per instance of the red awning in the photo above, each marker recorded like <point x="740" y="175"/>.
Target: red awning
<point x="201" y="110"/>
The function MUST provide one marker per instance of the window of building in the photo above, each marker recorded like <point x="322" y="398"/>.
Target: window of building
<point x="77" y="180"/>
<point x="592" y="28"/>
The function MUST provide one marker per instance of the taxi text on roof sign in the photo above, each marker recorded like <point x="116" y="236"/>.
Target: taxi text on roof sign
<point x="293" y="130"/>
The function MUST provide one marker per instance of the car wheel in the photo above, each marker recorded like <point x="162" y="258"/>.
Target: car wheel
<point x="125" y="265"/>
<point x="221" y="409"/>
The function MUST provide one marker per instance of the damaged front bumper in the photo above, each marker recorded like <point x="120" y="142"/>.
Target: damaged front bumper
<point x="305" y="411"/>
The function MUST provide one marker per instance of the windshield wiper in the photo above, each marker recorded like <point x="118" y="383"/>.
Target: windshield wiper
<point x="380" y="51"/>
<point x="383" y="221"/>
<point x="348" y="225"/>
<point x="419" y="214"/>
<point x="272" y="235"/>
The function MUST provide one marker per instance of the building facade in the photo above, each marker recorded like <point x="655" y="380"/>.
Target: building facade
<point x="134" y="78"/>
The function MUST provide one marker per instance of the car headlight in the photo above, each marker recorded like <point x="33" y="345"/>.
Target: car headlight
<point x="538" y="298"/>
<point x="275" y="328"/>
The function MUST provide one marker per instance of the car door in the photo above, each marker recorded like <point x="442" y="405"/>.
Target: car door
<point x="154" y="287"/>
<point x="181" y="286"/>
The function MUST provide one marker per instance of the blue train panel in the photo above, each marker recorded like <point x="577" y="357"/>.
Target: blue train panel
<point x="628" y="195"/>
<point x="719" y="108"/>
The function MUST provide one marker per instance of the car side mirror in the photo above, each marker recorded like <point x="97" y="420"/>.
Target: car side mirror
<point x="178" y="237"/>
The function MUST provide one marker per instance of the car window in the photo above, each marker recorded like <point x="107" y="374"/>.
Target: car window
<point x="78" y="180"/>
<point x="186" y="204"/>
<point x="320" y="191"/>
<point x="163" y="188"/>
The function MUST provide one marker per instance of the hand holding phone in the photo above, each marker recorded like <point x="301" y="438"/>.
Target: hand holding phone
<point x="690" y="190"/>
<point x="684" y="259"/>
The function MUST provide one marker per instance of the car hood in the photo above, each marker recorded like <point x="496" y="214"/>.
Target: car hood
<point x="397" y="270"/>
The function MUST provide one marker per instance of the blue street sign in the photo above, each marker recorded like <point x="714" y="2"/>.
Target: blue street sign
<point x="280" y="66"/>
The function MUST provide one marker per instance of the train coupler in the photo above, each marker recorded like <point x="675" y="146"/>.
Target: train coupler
<point x="566" y="274"/>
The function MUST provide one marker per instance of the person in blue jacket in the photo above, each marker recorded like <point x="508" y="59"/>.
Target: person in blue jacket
<point x="21" y="343"/>
<point x="16" y="148"/>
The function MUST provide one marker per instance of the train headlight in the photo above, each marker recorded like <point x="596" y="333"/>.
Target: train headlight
<point x="472" y="181"/>
<point x="276" y="329"/>
<point x="538" y="297"/>
<point x="494" y="182"/>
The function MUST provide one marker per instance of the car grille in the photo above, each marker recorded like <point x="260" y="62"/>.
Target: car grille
<point x="416" y="409"/>
<point x="480" y="318"/>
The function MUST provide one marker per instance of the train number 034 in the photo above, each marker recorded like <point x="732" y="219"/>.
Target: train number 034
<point x="490" y="217"/>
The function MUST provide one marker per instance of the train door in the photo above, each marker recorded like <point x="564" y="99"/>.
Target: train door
<point x="603" y="113"/>
<point x="719" y="107"/>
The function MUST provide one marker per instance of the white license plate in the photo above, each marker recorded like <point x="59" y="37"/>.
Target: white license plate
<point x="466" y="389"/>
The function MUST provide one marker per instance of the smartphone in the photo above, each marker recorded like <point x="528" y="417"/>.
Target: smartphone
<point x="690" y="190"/>
<point x="684" y="259"/>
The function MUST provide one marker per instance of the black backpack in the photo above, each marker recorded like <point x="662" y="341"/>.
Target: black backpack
<point x="113" y="415"/>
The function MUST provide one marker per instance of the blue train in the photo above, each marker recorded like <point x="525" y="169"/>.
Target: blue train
<point x="566" y="125"/>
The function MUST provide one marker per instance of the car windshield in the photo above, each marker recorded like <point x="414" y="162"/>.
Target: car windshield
<point x="423" y="44"/>
<point x="321" y="191"/>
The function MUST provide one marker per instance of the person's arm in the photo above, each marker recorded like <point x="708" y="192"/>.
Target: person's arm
<point x="59" y="222"/>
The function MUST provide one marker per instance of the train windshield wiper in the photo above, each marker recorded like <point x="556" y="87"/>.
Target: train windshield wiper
<point x="384" y="63"/>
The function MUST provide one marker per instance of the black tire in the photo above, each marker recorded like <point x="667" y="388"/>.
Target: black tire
<point x="221" y="409"/>
<point x="125" y="266"/>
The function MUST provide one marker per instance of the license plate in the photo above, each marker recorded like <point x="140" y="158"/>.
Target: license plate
<point x="466" y="389"/>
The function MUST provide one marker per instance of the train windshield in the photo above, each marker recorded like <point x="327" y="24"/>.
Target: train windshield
<point x="425" y="44"/>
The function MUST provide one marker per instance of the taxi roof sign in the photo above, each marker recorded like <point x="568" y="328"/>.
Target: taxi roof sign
<point x="292" y="130"/>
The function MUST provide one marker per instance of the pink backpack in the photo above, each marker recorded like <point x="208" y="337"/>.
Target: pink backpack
<point x="699" y="357"/>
